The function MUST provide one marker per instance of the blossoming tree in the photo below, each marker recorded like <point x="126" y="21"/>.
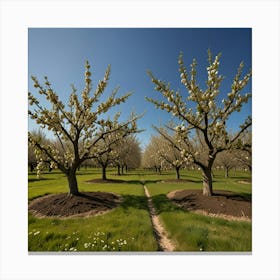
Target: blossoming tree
<point x="128" y="154"/>
<point x="79" y="126"/>
<point x="151" y="158"/>
<point x="203" y="118"/>
<point x="171" y="155"/>
<point x="165" y="153"/>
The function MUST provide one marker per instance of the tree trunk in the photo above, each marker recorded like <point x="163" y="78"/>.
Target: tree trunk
<point x="72" y="183"/>
<point x="178" y="173"/>
<point x="104" y="172"/>
<point x="31" y="167"/>
<point x="119" y="170"/>
<point x="207" y="181"/>
<point x="122" y="169"/>
<point x="227" y="172"/>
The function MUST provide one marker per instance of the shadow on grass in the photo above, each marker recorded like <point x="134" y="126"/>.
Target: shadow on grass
<point x="163" y="204"/>
<point x="120" y="181"/>
<point x="240" y="177"/>
<point x="41" y="179"/>
<point x="134" y="201"/>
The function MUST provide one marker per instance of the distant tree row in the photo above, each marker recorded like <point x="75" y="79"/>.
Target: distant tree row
<point x="124" y="155"/>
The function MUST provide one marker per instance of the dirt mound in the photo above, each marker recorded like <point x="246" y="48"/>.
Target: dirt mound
<point x="223" y="204"/>
<point x="65" y="205"/>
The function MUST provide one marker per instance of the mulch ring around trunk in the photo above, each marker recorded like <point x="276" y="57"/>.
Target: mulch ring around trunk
<point x="68" y="206"/>
<point x="222" y="204"/>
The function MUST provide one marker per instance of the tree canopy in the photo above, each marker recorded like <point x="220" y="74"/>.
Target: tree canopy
<point x="203" y="127"/>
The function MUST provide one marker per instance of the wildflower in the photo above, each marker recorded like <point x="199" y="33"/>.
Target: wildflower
<point x="37" y="232"/>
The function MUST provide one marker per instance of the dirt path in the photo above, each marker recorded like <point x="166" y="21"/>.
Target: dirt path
<point x="164" y="243"/>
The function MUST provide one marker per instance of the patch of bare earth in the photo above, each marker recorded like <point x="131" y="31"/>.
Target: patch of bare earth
<point x="222" y="204"/>
<point x="67" y="206"/>
<point x="164" y="243"/>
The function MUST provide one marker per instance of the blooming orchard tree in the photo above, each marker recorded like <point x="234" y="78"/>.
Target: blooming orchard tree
<point x="78" y="126"/>
<point x="128" y="153"/>
<point x="171" y="155"/>
<point x="227" y="160"/>
<point x="203" y="118"/>
<point x="33" y="157"/>
<point x="108" y="157"/>
<point x="167" y="153"/>
<point x="151" y="158"/>
<point x="243" y="151"/>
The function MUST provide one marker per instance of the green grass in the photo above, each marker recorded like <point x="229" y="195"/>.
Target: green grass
<point x="194" y="232"/>
<point x="128" y="227"/>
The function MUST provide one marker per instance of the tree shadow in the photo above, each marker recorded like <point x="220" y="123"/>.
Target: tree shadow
<point x="240" y="177"/>
<point x="41" y="179"/>
<point x="163" y="204"/>
<point x="120" y="181"/>
<point x="134" y="201"/>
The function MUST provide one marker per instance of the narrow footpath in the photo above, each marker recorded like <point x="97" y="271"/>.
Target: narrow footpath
<point x="164" y="243"/>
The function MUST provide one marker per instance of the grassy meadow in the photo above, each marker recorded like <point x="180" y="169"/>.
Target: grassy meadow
<point x="128" y="226"/>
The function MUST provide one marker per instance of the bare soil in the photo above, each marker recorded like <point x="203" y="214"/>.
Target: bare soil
<point x="222" y="204"/>
<point x="64" y="205"/>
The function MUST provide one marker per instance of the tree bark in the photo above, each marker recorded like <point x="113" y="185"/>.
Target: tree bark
<point x="207" y="181"/>
<point x="32" y="166"/>
<point x="104" y="172"/>
<point x="178" y="173"/>
<point x="119" y="170"/>
<point x="72" y="183"/>
<point x="227" y="172"/>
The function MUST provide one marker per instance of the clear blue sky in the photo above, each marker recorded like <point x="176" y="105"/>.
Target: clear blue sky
<point x="60" y="54"/>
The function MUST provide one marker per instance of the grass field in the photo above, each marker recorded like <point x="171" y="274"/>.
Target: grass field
<point x="128" y="227"/>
